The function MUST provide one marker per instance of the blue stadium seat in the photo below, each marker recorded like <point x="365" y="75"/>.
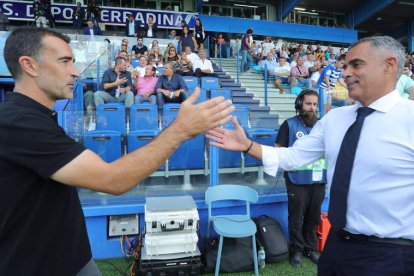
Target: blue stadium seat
<point x="295" y="90"/>
<point x="105" y="143"/>
<point x="190" y="155"/>
<point x="139" y="138"/>
<point x="201" y="98"/>
<point x="242" y="113"/>
<point x="209" y="83"/>
<point x="111" y="116"/>
<point x="143" y="117"/>
<point x="134" y="62"/>
<point x="264" y="136"/>
<point x="226" y="93"/>
<point x="169" y="113"/>
<point x="191" y="82"/>
<point x="160" y="70"/>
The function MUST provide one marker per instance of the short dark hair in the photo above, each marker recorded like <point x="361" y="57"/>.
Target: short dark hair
<point x="341" y="57"/>
<point x="26" y="41"/>
<point x="119" y="60"/>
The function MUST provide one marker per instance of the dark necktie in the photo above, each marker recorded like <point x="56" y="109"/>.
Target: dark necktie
<point x="343" y="170"/>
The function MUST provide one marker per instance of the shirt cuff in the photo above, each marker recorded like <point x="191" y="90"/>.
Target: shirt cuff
<point x="270" y="159"/>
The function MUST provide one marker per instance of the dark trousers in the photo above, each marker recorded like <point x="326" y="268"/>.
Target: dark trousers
<point x="304" y="214"/>
<point x="161" y="99"/>
<point x="199" y="74"/>
<point x="77" y="23"/>
<point x="342" y="257"/>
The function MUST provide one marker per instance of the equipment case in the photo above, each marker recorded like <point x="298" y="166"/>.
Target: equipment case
<point x="170" y="243"/>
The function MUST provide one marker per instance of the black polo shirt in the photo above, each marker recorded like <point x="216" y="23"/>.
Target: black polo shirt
<point x="42" y="227"/>
<point x="139" y="50"/>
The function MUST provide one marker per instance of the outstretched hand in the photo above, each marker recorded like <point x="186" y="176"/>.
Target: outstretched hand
<point x="194" y="119"/>
<point x="235" y="140"/>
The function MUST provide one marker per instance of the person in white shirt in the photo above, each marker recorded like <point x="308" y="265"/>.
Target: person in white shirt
<point x="203" y="66"/>
<point x="378" y="236"/>
<point x="282" y="73"/>
<point x="191" y="56"/>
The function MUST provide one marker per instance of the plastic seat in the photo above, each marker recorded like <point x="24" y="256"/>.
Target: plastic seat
<point x="226" y="93"/>
<point x="263" y="136"/>
<point x="232" y="225"/>
<point x="191" y="82"/>
<point x="189" y="156"/>
<point x="139" y="138"/>
<point x="143" y="117"/>
<point x="111" y="116"/>
<point x="160" y="70"/>
<point x="169" y="113"/>
<point x="209" y="83"/>
<point x="134" y="62"/>
<point x="105" y="143"/>
<point x="295" y="90"/>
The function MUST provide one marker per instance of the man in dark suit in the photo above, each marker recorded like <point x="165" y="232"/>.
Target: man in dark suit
<point x="151" y="27"/>
<point x="132" y="26"/>
<point x="92" y="30"/>
<point x="78" y="16"/>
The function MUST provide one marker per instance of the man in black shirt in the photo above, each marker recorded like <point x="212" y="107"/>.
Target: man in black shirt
<point x="140" y="49"/>
<point x="42" y="228"/>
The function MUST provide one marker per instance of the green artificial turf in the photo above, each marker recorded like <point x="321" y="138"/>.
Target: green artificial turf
<point x="120" y="267"/>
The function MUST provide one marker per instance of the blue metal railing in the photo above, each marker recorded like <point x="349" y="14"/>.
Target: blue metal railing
<point x="265" y="83"/>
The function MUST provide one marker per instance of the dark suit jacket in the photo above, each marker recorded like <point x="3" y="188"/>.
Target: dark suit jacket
<point x="96" y="31"/>
<point x="137" y="28"/>
<point x="154" y="30"/>
<point x="81" y="13"/>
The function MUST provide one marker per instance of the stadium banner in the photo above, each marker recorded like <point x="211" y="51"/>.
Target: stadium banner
<point x="23" y="10"/>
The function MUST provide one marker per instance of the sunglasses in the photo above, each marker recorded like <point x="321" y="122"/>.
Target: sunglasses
<point x="124" y="45"/>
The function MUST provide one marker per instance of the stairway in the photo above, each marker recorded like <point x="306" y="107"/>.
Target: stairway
<point x="253" y="83"/>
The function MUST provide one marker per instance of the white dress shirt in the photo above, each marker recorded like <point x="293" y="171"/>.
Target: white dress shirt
<point x="203" y="65"/>
<point x="381" y="192"/>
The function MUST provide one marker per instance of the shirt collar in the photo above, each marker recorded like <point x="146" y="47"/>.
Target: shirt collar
<point x="29" y="102"/>
<point x="385" y="103"/>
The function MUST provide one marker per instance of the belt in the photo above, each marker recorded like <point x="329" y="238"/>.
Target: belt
<point x="359" y="237"/>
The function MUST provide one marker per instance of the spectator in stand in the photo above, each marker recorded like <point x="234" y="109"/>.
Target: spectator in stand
<point x="167" y="50"/>
<point x="299" y="74"/>
<point x="193" y="57"/>
<point x="116" y="85"/>
<point x="4" y="22"/>
<point x="256" y="52"/>
<point x="40" y="13"/>
<point x="170" y="88"/>
<point x="154" y="43"/>
<point x="235" y="46"/>
<point x="155" y="56"/>
<point x="284" y="52"/>
<point x="143" y="62"/>
<point x="172" y="34"/>
<point x="150" y="27"/>
<point x="132" y="27"/>
<point x="199" y="34"/>
<point x="282" y="73"/>
<point x="140" y="49"/>
<point x="92" y="30"/>
<point x="221" y="46"/>
<point x="270" y="63"/>
<point x="309" y="60"/>
<point x="93" y="12"/>
<point x="267" y="46"/>
<point x="187" y="40"/>
<point x="172" y="56"/>
<point x="316" y="69"/>
<point x="405" y="84"/>
<point x="203" y="66"/>
<point x="78" y="16"/>
<point x="125" y="55"/>
<point x="123" y="47"/>
<point x="184" y="67"/>
<point x="245" y="50"/>
<point x="145" y="86"/>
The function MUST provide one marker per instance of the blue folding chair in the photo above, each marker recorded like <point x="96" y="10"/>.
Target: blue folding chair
<point x="105" y="143"/>
<point x="191" y="82"/>
<point x="160" y="70"/>
<point x="295" y="90"/>
<point x="143" y="117"/>
<point x="169" y="112"/>
<point x="263" y="136"/>
<point x="134" y="62"/>
<point x="209" y="83"/>
<point x="232" y="225"/>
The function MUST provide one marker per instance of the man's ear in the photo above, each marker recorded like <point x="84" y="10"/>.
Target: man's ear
<point x="29" y="65"/>
<point x="391" y="64"/>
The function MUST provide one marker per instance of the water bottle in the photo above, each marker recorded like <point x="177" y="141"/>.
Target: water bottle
<point x="261" y="256"/>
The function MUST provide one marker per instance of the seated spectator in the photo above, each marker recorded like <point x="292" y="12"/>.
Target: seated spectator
<point x="184" y="67"/>
<point x="155" y="57"/>
<point x="139" y="49"/>
<point x="203" y="66"/>
<point x="299" y="74"/>
<point x="282" y="73"/>
<point x="123" y="47"/>
<point x="92" y="30"/>
<point x="125" y="55"/>
<point x="141" y="68"/>
<point x="145" y="86"/>
<point x="193" y="57"/>
<point x="267" y="46"/>
<point x="4" y="22"/>
<point x="172" y="56"/>
<point x="256" y="52"/>
<point x="309" y="60"/>
<point x="270" y="63"/>
<point x="316" y="69"/>
<point x="167" y="50"/>
<point x="170" y="87"/>
<point x="116" y="85"/>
